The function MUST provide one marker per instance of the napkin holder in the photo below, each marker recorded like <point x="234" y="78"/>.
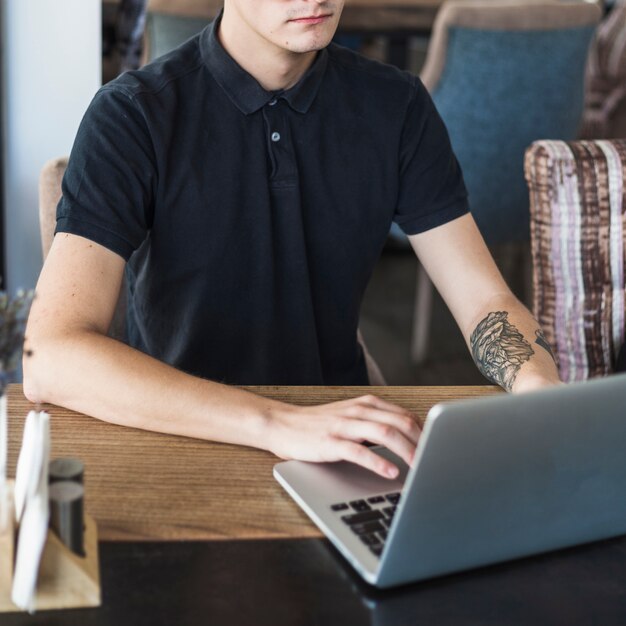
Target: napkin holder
<point x="65" y="580"/>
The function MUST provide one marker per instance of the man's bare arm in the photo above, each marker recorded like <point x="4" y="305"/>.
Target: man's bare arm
<point x="74" y="364"/>
<point x="505" y="340"/>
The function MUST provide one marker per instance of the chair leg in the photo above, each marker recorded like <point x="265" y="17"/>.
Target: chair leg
<point x="374" y="374"/>
<point x="421" y="317"/>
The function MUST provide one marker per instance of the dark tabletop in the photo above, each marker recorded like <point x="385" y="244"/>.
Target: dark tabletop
<point x="306" y="582"/>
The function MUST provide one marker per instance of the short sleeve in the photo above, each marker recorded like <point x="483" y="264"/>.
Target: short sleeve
<point x="108" y="187"/>
<point x="432" y="191"/>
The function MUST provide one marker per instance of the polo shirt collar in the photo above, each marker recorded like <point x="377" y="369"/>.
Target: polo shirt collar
<point x="243" y="90"/>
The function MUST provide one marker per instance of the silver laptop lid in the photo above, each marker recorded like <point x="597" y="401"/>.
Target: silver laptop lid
<point x="508" y="476"/>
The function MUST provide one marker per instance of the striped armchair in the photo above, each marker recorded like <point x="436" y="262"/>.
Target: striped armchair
<point x="578" y="238"/>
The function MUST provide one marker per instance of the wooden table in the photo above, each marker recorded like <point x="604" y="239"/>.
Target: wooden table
<point x="149" y="486"/>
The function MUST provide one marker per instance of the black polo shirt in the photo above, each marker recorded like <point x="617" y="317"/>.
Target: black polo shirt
<point x="251" y="221"/>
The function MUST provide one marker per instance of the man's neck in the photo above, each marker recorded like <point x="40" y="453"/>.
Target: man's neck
<point x="275" y="69"/>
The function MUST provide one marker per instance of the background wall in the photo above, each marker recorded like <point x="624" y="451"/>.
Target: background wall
<point x="52" y="68"/>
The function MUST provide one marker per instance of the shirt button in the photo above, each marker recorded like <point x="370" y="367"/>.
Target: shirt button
<point x="273" y="102"/>
<point x="275" y="137"/>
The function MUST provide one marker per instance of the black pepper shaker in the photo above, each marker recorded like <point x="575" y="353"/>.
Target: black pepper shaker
<point x="66" y="513"/>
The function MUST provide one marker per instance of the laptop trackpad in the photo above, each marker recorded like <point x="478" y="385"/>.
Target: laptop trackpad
<point x="332" y="482"/>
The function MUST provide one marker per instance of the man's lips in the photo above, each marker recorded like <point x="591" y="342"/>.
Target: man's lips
<point x="311" y="19"/>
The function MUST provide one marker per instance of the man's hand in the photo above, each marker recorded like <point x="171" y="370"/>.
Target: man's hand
<point x="336" y="432"/>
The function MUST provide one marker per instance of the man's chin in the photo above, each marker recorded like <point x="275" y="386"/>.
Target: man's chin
<point x="304" y="47"/>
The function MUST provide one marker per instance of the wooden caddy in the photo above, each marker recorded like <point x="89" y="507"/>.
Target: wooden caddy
<point x="65" y="580"/>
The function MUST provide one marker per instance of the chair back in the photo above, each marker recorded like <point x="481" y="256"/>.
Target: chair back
<point x="578" y="241"/>
<point x="50" y="180"/>
<point x="171" y="22"/>
<point x="503" y="74"/>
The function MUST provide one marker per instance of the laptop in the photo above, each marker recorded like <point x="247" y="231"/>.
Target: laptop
<point x="494" y="479"/>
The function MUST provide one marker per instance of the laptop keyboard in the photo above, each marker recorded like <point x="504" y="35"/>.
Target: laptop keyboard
<point x="369" y="518"/>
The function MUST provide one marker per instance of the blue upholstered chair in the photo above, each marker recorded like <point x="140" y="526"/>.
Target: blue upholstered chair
<point x="503" y="73"/>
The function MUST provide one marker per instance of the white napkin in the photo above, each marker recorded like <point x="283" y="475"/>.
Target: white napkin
<point x="28" y="463"/>
<point x="32" y="485"/>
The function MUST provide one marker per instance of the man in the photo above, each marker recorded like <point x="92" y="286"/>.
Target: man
<point x="248" y="181"/>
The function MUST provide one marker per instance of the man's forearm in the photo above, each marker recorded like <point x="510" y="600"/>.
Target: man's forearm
<point x="510" y="348"/>
<point x="99" y="376"/>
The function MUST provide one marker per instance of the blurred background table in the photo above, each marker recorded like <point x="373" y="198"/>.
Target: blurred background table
<point x="397" y="21"/>
<point x="361" y="14"/>
<point x="389" y="15"/>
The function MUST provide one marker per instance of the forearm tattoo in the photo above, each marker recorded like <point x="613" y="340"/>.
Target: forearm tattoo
<point x="499" y="349"/>
<point x="543" y="342"/>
